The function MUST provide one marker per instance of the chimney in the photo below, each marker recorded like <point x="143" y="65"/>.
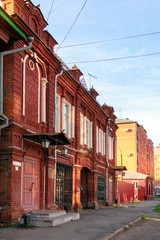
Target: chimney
<point x="76" y="73"/>
<point x="93" y="93"/>
<point x="109" y="111"/>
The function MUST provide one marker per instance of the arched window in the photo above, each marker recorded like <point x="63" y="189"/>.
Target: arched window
<point x="34" y="26"/>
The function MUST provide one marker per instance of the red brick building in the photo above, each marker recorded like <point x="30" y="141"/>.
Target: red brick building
<point x="31" y="176"/>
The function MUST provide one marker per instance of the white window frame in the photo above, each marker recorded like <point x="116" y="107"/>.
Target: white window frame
<point x="110" y="148"/>
<point x="68" y="118"/>
<point x="81" y="128"/>
<point x="86" y="131"/>
<point x="73" y="121"/>
<point x="91" y="134"/>
<point x="58" y="114"/>
<point x="100" y="141"/>
<point x="104" y="143"/>
<point x="97" y="139"/>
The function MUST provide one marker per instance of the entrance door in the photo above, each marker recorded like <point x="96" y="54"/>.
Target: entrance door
<point x="84" y="187"/>
<point x="31" y="184"/>
<point x="64" y="186"/>
<point x="135" y="183"/>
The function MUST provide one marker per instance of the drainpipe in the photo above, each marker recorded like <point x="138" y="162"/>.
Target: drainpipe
<point x="2" y="54"/>
<point x="54" y="129"/>
<point x="55" y="93"/>
<point x="106" y="148"/>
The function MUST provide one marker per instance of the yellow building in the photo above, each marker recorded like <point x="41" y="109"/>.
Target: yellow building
<point x="126" y="144"/>
<point x="157" y="165"/>
<point x="134" y="149"/>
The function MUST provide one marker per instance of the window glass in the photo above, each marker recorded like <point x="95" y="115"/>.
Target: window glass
<point x="66" y="118"/>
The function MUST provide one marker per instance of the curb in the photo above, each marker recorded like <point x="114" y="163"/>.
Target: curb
<point x="121" y="229"/>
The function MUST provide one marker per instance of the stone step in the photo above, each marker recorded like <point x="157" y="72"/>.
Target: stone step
<point x="46" y="214"/>
<point x="54" y="221"/>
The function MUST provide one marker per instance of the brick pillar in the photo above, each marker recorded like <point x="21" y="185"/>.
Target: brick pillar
<point x="90" y="190"/>
<point x="95" y="203"/>
<point x="77" y="206"/>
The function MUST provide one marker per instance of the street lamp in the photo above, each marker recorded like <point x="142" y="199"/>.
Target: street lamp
<point x="64" y="151"/>
<point x="45" y="143"/>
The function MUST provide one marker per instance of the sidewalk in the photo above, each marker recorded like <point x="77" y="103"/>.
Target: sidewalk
<point x="93" y="224"/>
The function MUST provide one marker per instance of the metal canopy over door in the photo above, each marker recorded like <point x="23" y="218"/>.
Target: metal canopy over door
<point x="31" y="184"/>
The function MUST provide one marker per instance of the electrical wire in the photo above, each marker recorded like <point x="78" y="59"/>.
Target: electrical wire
<point x="115" y="59"/>
<point x="72" y="25"/>
<point x="57" y="7"/>
<point x="50" y="10"/>
<point x="110" y="40"/>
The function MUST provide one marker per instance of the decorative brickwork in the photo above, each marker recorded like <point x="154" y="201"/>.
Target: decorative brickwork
<point x="27" y="172"/>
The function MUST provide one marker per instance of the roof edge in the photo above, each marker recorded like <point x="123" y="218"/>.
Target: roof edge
<point x="8" y="19"/>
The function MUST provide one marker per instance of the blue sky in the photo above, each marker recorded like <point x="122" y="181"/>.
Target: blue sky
<point x="131" y="86"/>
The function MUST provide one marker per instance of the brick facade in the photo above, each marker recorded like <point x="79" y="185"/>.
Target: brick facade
<point x="27" y="178"/>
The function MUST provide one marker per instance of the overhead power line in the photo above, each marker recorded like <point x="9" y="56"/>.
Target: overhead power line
<point x="115" y="59"/>
<point x="72" y="25"/>
<point x="50" y="10"/>
<point x="109" y="40"/>
<point x="57" y="7"/>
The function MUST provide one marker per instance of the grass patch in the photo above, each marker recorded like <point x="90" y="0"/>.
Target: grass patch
<point x="126" y="228"/>
<point x="157" y="208"/>
<point x="143" y="217"/>
<point x="156" y="197"/>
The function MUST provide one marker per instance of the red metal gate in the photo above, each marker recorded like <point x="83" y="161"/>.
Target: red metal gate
<point x="31" y="184"/>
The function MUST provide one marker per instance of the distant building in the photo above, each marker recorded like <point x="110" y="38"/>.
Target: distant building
<point x="157" y="166"/>
<point x="143" y="184"/>
<point x="135" y="151"/>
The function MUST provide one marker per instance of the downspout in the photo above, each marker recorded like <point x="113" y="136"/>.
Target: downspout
<point x="3" y="117"/>
<point x="106" y="148"/>
<point x="54" y="129"/>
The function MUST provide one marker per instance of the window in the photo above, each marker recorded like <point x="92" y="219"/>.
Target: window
<point x="135" y="184"/>
<point x="100" y="188"/>
<point x="57" y="117"/>
<point x="97" y="140"/>
<point x="110" y="148"/>
<point x="81" y="129"/>
<point x="64" y="185"/>
<point x="85" y="131"/>
<point x="100" y="141"/>
<point x="100" y="146"/>
<point x="73" y="121"/>
<point x="66" y="118"/>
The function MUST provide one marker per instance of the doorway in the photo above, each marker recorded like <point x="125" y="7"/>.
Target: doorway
<point x="31" y="184"/>
<point x="84" y="187"/>
<point x="64" y="186"/>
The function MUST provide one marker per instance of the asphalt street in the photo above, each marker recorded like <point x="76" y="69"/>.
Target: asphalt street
<point x="97" y="224"/>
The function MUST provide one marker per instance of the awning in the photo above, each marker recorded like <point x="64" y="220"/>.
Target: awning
<point x="57" y="138"/>
<point x="117" y="168"/>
